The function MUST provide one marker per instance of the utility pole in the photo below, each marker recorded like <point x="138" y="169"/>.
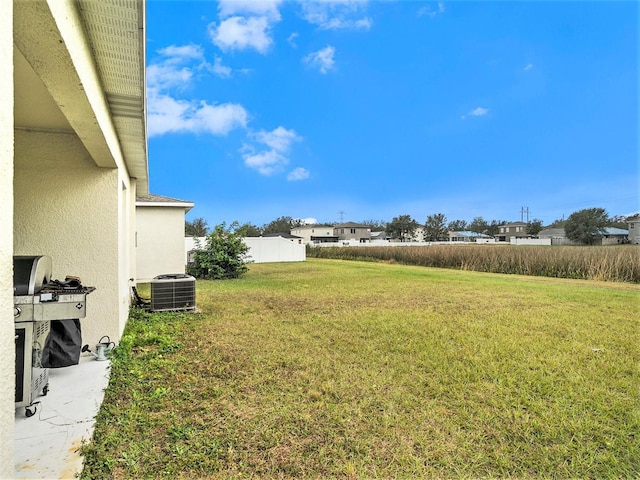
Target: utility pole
<point x="524" y="210"/>
<point x="341" y="216"/>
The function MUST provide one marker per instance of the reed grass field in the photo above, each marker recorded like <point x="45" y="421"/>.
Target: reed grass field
<point x="609" y="263"/>
<point x="332" y="369"/>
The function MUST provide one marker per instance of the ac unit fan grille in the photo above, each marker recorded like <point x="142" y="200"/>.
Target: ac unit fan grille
<point x="171" y="294"/>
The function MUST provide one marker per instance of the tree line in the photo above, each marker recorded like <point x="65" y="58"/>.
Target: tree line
<point x="583" y="226"/>
<point x="222" y="255"/>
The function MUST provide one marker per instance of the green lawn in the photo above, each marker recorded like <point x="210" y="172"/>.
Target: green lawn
<point x="333" y="369"/>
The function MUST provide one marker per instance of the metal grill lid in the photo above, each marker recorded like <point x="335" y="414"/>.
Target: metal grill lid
<point x="30" y="273"/>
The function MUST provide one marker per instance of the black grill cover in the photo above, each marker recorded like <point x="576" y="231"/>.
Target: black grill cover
<point x="63" y="345"/>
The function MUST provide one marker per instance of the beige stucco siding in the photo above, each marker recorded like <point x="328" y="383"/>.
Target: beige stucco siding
<point x="7" y="332"/>
<point x="159" y="242"/>
<point x="67" y="144"/>
<point x="68" y="208"/>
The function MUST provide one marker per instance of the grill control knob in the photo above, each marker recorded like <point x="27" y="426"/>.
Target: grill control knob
<point x="16" y="312"/>
<point x="79" y="306"/>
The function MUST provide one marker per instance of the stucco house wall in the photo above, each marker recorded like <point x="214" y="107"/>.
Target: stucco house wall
<point x="78" y="221"/>
<point x="7" y="332"/>
<point x="72" y="159"/>
<point x="159" y="236"/>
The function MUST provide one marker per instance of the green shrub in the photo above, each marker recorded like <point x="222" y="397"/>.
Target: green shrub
<point x="221" y="257"/>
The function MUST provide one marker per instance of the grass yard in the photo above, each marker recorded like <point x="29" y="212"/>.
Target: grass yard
<point x="344" y="369"/>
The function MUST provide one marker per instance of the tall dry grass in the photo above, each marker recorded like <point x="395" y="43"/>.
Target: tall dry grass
<point x="609" y="263"/>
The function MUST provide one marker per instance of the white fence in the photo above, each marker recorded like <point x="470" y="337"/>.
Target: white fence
<point x="261" y="249"/>
<point x="530" y="241"/>
<point x="383" y="243"/>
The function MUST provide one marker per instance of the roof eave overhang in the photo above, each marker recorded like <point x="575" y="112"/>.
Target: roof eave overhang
<point x="186" y="205"/>
<point x="120" y="52"/>
<point x="92" y="62"/>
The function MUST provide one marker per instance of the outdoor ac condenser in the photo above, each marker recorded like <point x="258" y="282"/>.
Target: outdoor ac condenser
<point x="173" y="291"/>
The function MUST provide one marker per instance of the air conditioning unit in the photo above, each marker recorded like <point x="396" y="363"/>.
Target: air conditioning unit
<point x="173" y="292"/>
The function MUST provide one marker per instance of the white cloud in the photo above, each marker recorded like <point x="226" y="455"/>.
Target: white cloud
<point x="528" y="67"/>
<point x="245" y="24"/>
<point x="239" y="33"/>
<point x="175" y="66"/>
<point x="274" y="159"/>
<point x="476" y="112"/>
<point x="336" y="14"/>
<point x="292" y="40"/>
<point x="182" y="52"/>
<point x="219" y="119"/>
<point x="167" y="76"/>
<point x="322" y="59"/>
<point x="298" y="174"/>
<point x="432" y="11"/>
<point x="170" y="115"/>
<point x="479" y="112"/>
<point x="279" y="139"/>
<point x="173" y="71"/>
<point x="267" y="162"/>
<point x="220" y="70"/>
<point x="260" y="8"/>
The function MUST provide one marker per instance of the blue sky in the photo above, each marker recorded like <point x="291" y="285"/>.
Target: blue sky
<point x="367" y="110"/>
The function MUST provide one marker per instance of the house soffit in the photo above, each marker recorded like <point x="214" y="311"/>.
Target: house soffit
<point x="34" y="107"/>
<point x="116" y="30"/>
<point x="115" y="33"/>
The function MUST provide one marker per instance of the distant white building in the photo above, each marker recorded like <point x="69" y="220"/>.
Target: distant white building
<point x="634" y="229"/>
<point x="315" y="234"/>
<point x="352" y="231"/>
<point x="511" y="230"/>
<point x="467" y="236"/>
<point x="611" y="236"/>
<point x="615" y="236"/>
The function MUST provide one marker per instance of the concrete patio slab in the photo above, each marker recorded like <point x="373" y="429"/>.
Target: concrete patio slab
<point x="47" y="444"/>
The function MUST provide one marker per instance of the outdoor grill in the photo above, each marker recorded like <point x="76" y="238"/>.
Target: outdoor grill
<point x="37" y="300"/>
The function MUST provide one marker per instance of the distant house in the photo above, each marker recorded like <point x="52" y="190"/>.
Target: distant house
<point x="611" y="236"/>
<point x="552" y="233"/>
<point x="466" y="236"/>
<point x="634" y="228"/>
<point x="159" y="237"/>
<point x="615" y="236"/>
<point x="352" y="231"/>
<point x="509" y="230"/>
<point x="379" y="236"/>
<point x="315" y="234"/>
